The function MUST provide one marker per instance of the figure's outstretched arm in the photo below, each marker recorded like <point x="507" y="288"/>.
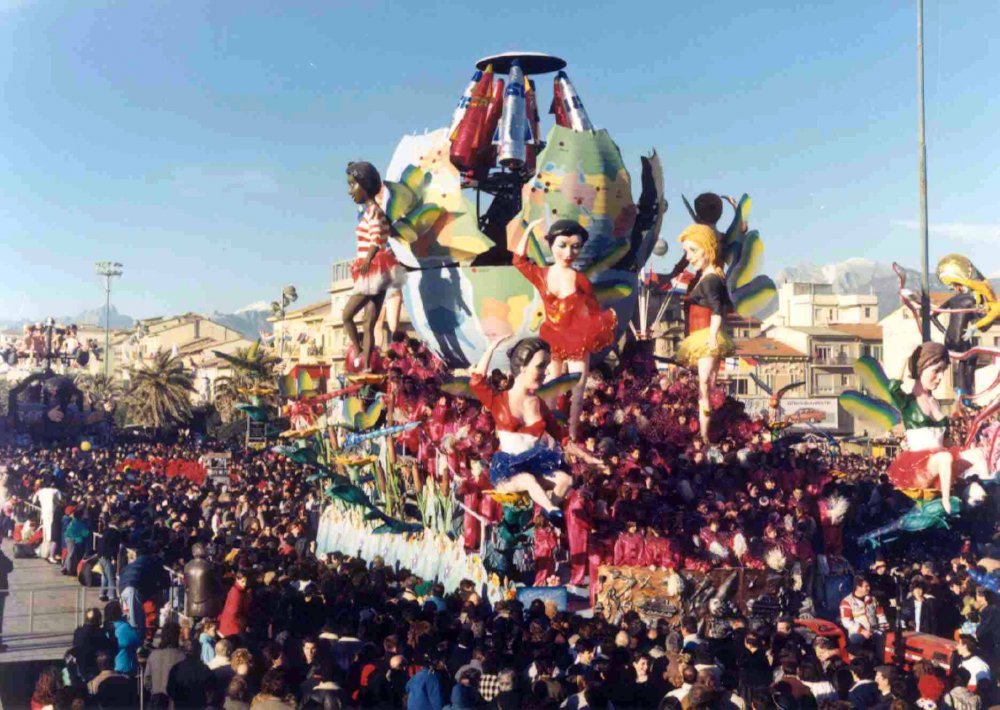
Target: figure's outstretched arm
<point x="522" y="244"/>
<point x="483" y="366"/>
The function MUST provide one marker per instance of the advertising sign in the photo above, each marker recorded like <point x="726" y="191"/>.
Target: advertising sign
<point x="812" y="412"/>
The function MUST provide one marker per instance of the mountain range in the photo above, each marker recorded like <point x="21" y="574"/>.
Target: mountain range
<point x="851" y="276"/>
<point x="250" y="320"/>
<point x="860" y="276"/>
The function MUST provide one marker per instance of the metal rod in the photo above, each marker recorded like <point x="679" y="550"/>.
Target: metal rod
<point x="31" y="612"/>
<point x="925" y="296"/>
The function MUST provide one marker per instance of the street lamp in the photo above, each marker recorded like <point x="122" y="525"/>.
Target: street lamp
<point x="288" y="296"/>
<point x="108" y="270"/>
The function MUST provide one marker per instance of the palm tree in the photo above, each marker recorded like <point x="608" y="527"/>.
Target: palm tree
<point x="159" y="392"/>
<point x="250" y="367"/>
<point x="101" y="390"/>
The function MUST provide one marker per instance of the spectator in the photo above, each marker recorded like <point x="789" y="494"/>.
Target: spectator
<point x="110" y="688"/>
<point x="126" y="638"/>
<point x="273" y="694"/>
<point x="6" y="567"/>
<point x="190" y="684"/>
<point x="46" y="688"/>
<point x="967" y="657"/>
<point x="143" y="580"/>
<point x="918" y="610"/>
<point x="161" y="660"/>
<point x="233" y="621"/>
<point x="960" y="697"/>
<point x="864" y="693"/>
<point x="237" y="694"/>
<point x="988" y="630"/>
<point x="108" y="548"/>
<point x="427" y="689"/>
<point x="90" y="639"/>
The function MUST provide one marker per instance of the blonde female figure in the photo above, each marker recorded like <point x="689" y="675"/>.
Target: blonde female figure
<point x="708" y="302"/>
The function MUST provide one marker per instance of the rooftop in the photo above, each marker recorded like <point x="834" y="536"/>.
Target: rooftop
<point x="320" y="309"/>
<point x="761" y="347"/>
<point x="865" y="331"/>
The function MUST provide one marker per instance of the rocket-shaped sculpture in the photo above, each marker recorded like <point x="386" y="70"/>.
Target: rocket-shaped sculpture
<point x="575" y="112"/>
<point x="487" y="156"/>
<point x="531" y="107"/>
<point x="468" y="138"/>
<point x="463" y="103"/>
<point x="514" y="132"/>
<point x="558" y="107"/>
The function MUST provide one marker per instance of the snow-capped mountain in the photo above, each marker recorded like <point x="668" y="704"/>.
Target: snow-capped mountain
<point x="860" y="276"/>
<point x="249" y="320"/>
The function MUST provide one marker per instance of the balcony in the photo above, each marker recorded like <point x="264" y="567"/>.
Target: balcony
<point x="340" y="272"/>
<point x="839" y="360"/>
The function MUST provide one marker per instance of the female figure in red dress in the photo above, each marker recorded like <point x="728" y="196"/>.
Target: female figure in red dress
<point x="375" y="269"/>
<point x="706" y="344"/>
<point x="529" y="459"/>
<point x="575" y="325"/>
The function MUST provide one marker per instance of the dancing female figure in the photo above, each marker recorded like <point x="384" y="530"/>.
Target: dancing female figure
<point x="529" y="459"/>
<point x="575" y="325"/>
<point x="706" y="343"/>
<point x="375" y="269"/>
<point x="927" y="463"/>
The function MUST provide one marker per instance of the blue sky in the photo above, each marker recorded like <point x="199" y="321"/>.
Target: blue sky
<point x="203" y="144"/>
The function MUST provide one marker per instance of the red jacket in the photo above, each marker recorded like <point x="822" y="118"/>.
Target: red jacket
<point x="233" y="619"/>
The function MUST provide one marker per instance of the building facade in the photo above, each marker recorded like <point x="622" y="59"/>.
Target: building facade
<point x="807" y="305"/>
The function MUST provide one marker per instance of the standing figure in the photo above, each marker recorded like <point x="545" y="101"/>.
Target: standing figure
<point x="575" y="325"/>
<point x="706" y="343"/>
<point x="959" y="275"/>
<point x="375" y="269"/>
<point x="927" y="463"/>
<point x="48" y="498"/>
<point x="529" y="459"/>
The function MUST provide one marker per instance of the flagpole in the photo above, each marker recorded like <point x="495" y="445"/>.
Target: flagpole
<point x="925" y="287"/>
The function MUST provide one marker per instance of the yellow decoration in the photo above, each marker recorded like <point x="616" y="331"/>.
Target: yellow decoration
<point x="85" y="446"/>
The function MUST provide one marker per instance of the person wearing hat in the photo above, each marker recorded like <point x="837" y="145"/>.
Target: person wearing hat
<point x="575" y="326"/>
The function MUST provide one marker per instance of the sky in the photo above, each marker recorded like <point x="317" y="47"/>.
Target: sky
<point x="203" y="144"/>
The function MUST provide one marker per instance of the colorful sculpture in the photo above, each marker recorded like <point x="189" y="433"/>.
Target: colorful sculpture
<point x="375" y="269"/>
<point x="575" y="325"/>
<point x="530" y="459"/>
<point x="972" y="308"/>
<point x="706" y="343"/>
<point x="927" y="468"/>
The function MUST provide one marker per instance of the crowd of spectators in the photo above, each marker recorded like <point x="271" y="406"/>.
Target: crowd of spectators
<point x="216" y="598"/>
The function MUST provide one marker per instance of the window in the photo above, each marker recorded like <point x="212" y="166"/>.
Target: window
<point x="738" y="387"/>
<point x="822" y="353"/>
<point x="845" y="380"/>
<point x="868" y="312"/>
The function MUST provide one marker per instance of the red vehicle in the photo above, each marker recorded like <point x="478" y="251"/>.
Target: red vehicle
<point x="917" y="646"/>
<point x="921" y="647"/>
<point x="806" y="415"/>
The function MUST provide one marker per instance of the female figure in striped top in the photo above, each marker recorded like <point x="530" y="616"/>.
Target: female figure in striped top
<point x="375" y="269"/>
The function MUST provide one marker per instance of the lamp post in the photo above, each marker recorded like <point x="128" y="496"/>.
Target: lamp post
<point x="925" y="285"/>
<point x="108" y="270"/>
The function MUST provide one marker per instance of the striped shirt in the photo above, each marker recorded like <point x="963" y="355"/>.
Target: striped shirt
<point x="373" y="228"/>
